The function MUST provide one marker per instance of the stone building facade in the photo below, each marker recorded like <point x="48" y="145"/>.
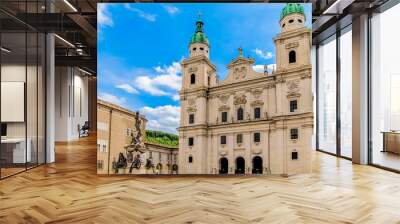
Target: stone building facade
<point x="114" y="128"/>
<point x="250" y="122"/>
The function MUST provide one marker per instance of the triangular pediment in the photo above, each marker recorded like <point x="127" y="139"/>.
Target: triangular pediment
<point x="241" y="69"/>
<point x="241" y="60"/>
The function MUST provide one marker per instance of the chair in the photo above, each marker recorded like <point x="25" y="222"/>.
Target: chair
<point x="84" y="130"/>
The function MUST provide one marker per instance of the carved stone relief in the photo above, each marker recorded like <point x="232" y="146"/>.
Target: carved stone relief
<point x="280" y="79"/>
<point x="191" y="109"/>
<point x="239" y="100"/>
<point x="293" y="86"/>
<point x="256" y="93"/>
<point x="224" y="108"/>
<point x="223" y="98"/>
<point x="239" y="73"/>
<point x="192" y="69"/>
<point x="257" y="103"/>
<point x="270" y="86"/>
<point x="191" y="102"/>
<point x="291" y="45"/>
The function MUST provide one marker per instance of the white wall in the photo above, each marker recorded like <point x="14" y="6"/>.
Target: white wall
<point x="71" y="102"/>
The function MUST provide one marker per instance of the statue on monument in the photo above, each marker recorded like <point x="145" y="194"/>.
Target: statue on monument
<point x="137" y="143"/>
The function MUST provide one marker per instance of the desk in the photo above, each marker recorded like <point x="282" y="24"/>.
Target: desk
<point x="391" y="141"/>
<point x="15" y="148"/>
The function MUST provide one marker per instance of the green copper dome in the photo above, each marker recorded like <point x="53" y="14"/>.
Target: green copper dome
<point x="291" y="8"/>
<point x="199" y="36"/>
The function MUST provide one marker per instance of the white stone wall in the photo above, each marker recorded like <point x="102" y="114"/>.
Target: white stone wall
<point x="246" y="88"/>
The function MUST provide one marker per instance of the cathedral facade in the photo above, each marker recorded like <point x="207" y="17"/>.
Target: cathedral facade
<point x="250" y="122"/>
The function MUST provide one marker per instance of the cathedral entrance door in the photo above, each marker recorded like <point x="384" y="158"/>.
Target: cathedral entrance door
<point x="257" y="165"/>
<point x="223" y="166"/>
<point x="240" y="165"/>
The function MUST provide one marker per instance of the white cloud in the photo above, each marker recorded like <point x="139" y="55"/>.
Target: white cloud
<point x="172" y="10"/>
<point x="148" y="85"/>
<point x="120" y="101"/>
<point x="162" y="118"/>
<point x="103" y="15"/>
<point x="128" y="88"/>
<point x="167" y="82"/>
<point x="141" y="13"/>
<point x="176" y="97"/>
<point x="262" y="54"/>
<point x="260" y="68"/>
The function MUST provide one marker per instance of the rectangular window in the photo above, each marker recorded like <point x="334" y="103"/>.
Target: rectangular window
<point x="294" y="155"/>
<point x="293" y="105"/>
<point x="385" y="89"/>
<point x="190" y="159"/>
<point x="104" y="148"/>
<point x="257" y="137"/>
<point x="345" y="92"/>
<point x="327" y="95"/>
<point x="294" y="133"/>
<point x="191" y="118"/>
<point x="224" y="116"/>
<point x="223" y="140"/>
<point x="100" y="164"/>
<point x="191" y="141"/>
<point x="257" y="113"/>
<point x="239" y="138"/>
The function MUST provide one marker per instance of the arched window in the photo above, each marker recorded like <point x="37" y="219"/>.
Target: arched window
<point x="194" y="48"/>
<point x="201" y="48"/>
<point x="300" y="21"/>
<point x="283" y="25"/>
<point x="291" y="21"/>
<point x="240" y="114"/>
<point x="192" y="79"/>
<point x="292" y="56"/>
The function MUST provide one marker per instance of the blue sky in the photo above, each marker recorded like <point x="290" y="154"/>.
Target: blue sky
<point x="140" y="46"/>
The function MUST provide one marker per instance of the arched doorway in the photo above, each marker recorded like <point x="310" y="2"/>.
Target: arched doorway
<point x="223" y="165"/>
<point x="257" y="165"/>
<point x="240" y="165"/>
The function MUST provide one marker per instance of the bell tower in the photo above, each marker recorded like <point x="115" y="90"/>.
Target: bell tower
<point x="294" y="41"/>
<point x="198" y="75"/>
<point x="197" y="70"/>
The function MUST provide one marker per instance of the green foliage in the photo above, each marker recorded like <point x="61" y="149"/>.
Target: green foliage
<point x="162" y="138"/>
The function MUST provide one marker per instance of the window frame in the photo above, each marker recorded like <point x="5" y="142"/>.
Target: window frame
<point x="191" y="141"/>
<point x="222" y="116"/>
<point x="294" y="134"/>
<point x="258" y="134"/>
<point x="290" y="105"/>
<point x="295" y="155"/>
<point x="191" y="118"/>
<point x="259" y="112"/>
<point x="222" y="140"/>
<point x="239" y="136"/>
<point x="192" y="79"/>
<point x="240" y="116"/>
<point x="292" y="57"/>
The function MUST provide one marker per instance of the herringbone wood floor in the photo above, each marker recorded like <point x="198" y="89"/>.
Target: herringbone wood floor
<point x="69" y="191"/>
